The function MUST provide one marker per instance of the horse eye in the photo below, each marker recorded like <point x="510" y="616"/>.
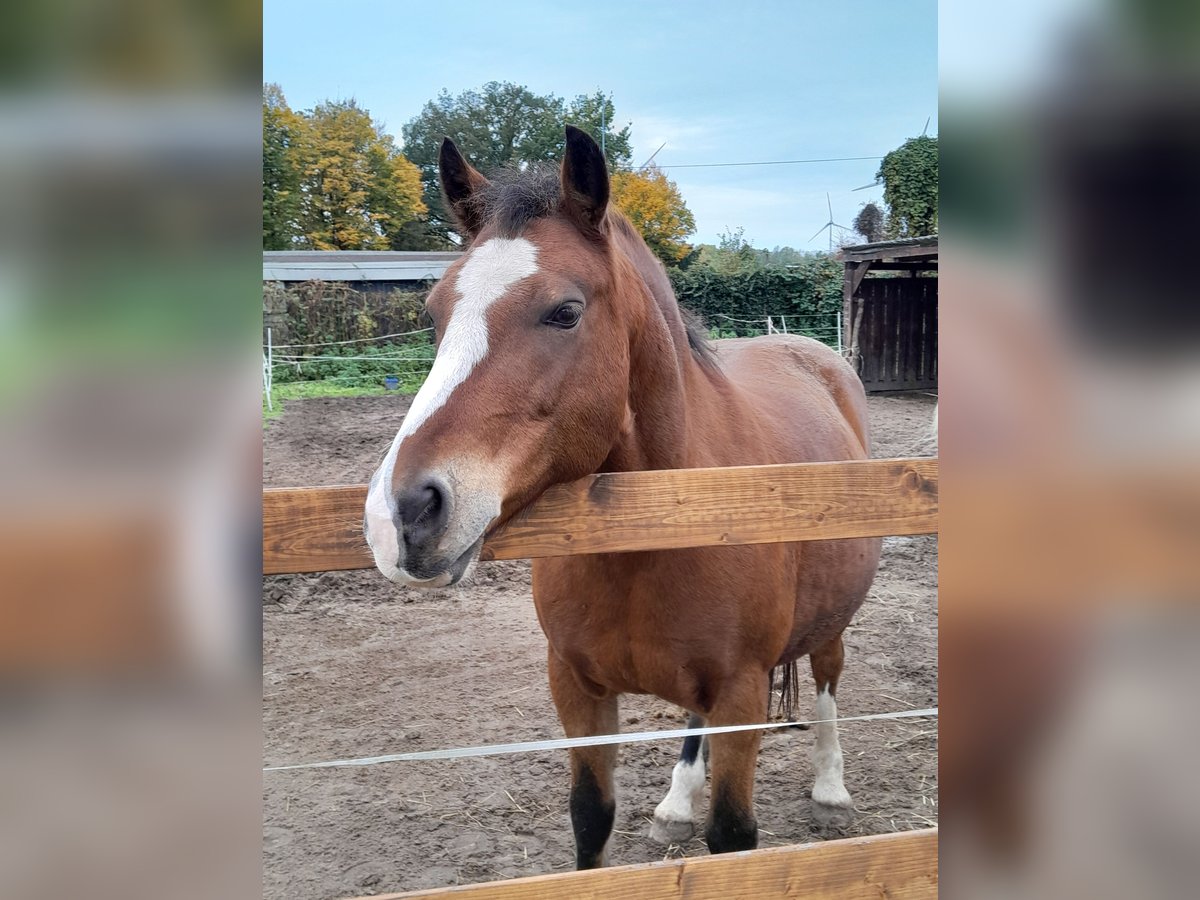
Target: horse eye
<point x="566" y="316"/>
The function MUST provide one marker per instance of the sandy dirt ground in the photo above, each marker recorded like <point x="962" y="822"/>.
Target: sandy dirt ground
<point x="355" y="666"/>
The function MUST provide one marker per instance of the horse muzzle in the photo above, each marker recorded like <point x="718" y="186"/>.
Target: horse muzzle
<point x="429" y="532"/>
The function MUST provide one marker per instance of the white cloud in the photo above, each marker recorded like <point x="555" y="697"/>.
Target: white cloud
<point x="686" y="138"/>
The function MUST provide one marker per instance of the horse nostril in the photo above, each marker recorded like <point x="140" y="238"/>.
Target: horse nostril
<point x="422" y="512"/>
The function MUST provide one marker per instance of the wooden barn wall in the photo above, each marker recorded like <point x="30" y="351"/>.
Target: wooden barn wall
<point x="898" y="334"/>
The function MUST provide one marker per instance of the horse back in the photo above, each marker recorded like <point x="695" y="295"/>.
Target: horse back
<point x="804" y="392"/>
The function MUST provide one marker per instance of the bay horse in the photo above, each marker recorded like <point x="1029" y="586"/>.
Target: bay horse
<point x="561" y="351"/>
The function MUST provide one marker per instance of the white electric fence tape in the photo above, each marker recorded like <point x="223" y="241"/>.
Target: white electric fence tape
<point x="594" y="741"/>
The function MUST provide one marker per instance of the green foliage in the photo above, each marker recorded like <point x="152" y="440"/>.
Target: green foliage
<point x="910" y="188"/>
<point x="322" y="311"/>
<point x="782" y="257"/>
<point x="870" y="223"/>
<point x="501" y="124"/>
<point x="282" y="170"/>
<point x="731" y="255"/>
<point x="318" y="314"/>
<point x="813" y="287"/>
<point x="361" y="365"/>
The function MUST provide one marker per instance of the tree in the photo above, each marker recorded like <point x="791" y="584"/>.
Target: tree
<point x="359" y="191"/>
<point x="503" y="124"/>
<point x="333" y="180"/>
<point x="731" y="255"/>
<point x="869" y="222"/>
<point x="783" y="257"/>
<point x="910" y="187"/>
<point x="655" y="207"/>
<point x="283" y="136"/>
<point x="594" y="114"/>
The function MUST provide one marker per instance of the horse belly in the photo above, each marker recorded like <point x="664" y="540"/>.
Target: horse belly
<point x="678" y="624"/>
<point x="832" y="583"/>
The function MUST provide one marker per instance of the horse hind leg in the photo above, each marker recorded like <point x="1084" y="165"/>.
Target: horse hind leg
<point x="831" y="806"/>
<point x="676" y="817"/>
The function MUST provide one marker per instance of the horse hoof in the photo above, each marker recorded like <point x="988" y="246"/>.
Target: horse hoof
<point x="832" y="818"/>
<point x="671" y="831"/>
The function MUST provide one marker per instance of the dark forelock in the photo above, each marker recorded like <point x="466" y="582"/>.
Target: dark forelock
<point x="515" y="197"/>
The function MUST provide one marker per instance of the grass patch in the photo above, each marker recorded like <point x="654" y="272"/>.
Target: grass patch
<point x="311" y="390"/>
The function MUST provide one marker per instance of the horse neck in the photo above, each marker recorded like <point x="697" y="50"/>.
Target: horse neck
<point x="667" y="384"/>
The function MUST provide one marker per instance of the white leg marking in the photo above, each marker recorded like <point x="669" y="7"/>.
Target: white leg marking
<point x="676" y="816"/>
<point x="827" y="758"/>
<point x="486" y="275"/>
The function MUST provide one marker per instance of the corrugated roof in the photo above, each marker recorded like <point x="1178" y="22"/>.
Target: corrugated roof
<point x="926" y="246"/>
<point x="355" y="265"/>
<point x="930" y="240"/>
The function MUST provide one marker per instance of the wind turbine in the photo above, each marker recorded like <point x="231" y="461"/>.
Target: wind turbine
<point x="877" y="182"/>
<point x="830" y="225"/>
<point x="652" y="155"/>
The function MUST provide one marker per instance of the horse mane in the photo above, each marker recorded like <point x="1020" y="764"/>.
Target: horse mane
<point x="515" y="197"/>
<point x="655" y="275"/>
<point x="697" y="335"/>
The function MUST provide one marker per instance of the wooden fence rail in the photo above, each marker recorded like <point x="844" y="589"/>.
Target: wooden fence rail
<point x="320" y="529"/>
<point x="901" y="865"/>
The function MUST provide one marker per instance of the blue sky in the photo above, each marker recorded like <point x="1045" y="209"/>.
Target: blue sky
<point x="719" y="82"/>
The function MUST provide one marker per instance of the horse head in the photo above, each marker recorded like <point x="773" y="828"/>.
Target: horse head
<point x="530" y="383"/>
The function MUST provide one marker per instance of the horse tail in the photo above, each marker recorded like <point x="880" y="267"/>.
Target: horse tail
<point x="789" y="686"/>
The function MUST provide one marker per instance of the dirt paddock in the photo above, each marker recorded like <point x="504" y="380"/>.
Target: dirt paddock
<point x="354" y="666"/>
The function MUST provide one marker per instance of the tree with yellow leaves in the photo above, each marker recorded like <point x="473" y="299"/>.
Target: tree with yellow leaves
<point x="334" y="180"/>
<point x="360" y="191"/>
<point x="655" y="207"/>
<point x="283" y="170"/>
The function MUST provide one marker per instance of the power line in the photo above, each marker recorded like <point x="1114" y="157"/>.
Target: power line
<point x="768" y="162"/>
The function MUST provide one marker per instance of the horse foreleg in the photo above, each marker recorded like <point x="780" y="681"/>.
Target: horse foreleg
<point x="831" y="801"/>
<point x="731" y="822"/>
<point x="593" y="802"/>
<point x="676" y="816"/>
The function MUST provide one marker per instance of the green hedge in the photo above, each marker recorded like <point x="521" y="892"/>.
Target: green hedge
<point x="810" y="290"/>
<point x="316" y="315"/>
<point x="358" y="365"/>
<point x="322" y="312"/>
<point x="317" y="311"/>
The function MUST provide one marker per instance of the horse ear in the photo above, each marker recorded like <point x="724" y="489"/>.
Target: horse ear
<point x="459" y="183"/>
<point x="584" y="181"/>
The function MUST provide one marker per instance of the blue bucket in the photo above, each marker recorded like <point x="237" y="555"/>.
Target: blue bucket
<point x="391" y="382"/>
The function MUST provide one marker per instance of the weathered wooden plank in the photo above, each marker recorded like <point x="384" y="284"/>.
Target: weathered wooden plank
<point x="715" y="507"/>
<point x="320" y="529"/>
<point x="903" y="865"/>
<point x="869" y="345"/>
<point x="925" y="248"/>
<point x="910" y="339"/>
<point x="931" y="333"/>
<point x="922" y="341"/>
<point x="314" y="529"/>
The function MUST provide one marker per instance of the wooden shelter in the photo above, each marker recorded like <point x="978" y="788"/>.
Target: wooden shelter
<point x="889" y="313"/>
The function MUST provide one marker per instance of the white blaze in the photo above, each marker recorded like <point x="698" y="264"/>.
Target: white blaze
<point x="489" y="271"/>
<point x="486" y="275"/>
